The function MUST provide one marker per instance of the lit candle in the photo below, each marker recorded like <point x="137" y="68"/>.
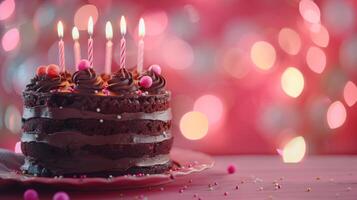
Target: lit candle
<point x="141" y="45"/>
<point x="76" y="46"/>
<point x="90" y="41"/>
<point x="122" y="42"/>
<point x="61" y="46"/>
<point x="109" y="47"/>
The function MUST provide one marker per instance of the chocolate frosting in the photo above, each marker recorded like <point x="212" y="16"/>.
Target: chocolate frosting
<point x="87" y="81"/>
<point x="122" y="82"/>
<point x="46" y="83"/>
<point x="158" y="82"/>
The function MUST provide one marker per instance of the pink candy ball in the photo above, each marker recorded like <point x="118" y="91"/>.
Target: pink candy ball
<point x="61" y="196"/>
<point x="156" y="69"/>
<point x="231" y="169"/>
<point x="83" y="64"/>
<point x="145" y="81"/>
<point x="31" y="194"/>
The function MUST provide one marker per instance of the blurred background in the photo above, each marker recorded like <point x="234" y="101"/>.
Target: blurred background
<point x="248" y="77"/>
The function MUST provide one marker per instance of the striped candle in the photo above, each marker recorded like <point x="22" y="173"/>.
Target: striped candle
<point x="90" y="41"/>
<point x="61" y="57"/>
<point x="122" y="42"/>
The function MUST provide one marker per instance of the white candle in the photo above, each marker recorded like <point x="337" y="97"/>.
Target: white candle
<point x="122" y="42"/>
<point x="61" y="57"/>
<point x="76" y="46"/>
<point x="109" y="47"/>
<point x="141" y="45"/>
<point x="90" y="41"/>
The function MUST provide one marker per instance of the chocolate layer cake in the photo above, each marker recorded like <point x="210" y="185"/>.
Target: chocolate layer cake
<point x="82" y="124"/>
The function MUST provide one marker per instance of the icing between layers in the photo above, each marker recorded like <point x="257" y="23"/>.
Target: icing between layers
<point x="158" y="82"/>
<point x="87" y="81"/>
<point x="74" y="139"/>
<point x="122" y="82"/>
<point x="70" y="113"/>
<point x="46" y="83"/>
<point x="90" y="163"/>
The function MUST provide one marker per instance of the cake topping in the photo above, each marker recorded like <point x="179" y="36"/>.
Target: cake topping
<point x="87" y="81"/>
<point x="155" y="68"/>
<point x="145" y="81"/>
<point x="122" y="82"/>
<point x="158" y="82"/>
<point x="45" y="82"/>
<point x="83" y="64"/>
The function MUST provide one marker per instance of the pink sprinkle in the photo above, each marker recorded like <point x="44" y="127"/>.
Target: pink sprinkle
<point x="30" y="194"/>
<point x="156" y="69"/>
<point x="225" y="193"/>
<point x="145" y="81"/>
<point x="231" y="169"/>
<point x="61" y="196"/>
<point x="181" y="191"/>
<point x="237" y="187"/>
<point x="195" y="195"/>
<point x="83" y="64"/>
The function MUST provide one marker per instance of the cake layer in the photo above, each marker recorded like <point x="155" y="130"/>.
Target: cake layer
<point x="131" y="103"/>
<point x="31" y="167"/>
<point x="94" y="126"/>
<point x="48" y="151"/>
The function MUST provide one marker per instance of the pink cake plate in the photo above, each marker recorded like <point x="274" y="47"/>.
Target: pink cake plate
<point x="190" y="162"/>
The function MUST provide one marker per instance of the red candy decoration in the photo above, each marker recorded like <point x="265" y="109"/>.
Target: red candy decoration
<point x="145" y="81"/>
<point x="41" y="70"/>
<point x="83" y="64"/>
<point x="231" y="169"/>
<point x="52" y="70"/>
<point x="156" y="69"/>
<point x="30" y="194"/>
<point x="61" y="196"/>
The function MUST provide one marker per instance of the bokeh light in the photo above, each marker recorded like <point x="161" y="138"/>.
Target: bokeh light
<point x="211" y="106"/>
<point x="155" y="22"/>
<point x="263" y="55"/>
<point x="350" y="93"/>
<point x="235" y="63"/>
<point x="336" y="115"/>
<point x="294" y="151"/>
<point x="194" y="125"/>
<point x="11" y="39"/>
<point x="336" y="10"/>
<point x="292" y="82"/>
<point x="7" y="7"/>
<point x="348" y="51"/>
<point x="17" y="148"/>
<point x="82" y="15"/>
<point x="13" y="119"/>
<point x="319" y="35"/>
<point x="316" y="59"/>
<point x="44" y="16"/>
<point x="174" y="47"/>
<point x="309" y="11"/>
<point x="289" y="41"/>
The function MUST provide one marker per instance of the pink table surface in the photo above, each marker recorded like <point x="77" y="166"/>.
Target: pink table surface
<point x="326" y="177"/>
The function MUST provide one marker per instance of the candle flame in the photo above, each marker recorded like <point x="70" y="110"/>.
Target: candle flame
<point x="294" y="150"/>
<point x="108" y="30"/>
<point x="122" y="25"/>
<point x="141" y="28"/>
<point x="60" y="29"/>
<point x="75" y="33"/>
<point x="90" y="25"/>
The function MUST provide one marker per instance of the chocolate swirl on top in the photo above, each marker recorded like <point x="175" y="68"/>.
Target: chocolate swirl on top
<point x="46" y="83"/>
<point x="87" y="81"/>
<point x="158" y="82"/>
<point x="122" y="82"/>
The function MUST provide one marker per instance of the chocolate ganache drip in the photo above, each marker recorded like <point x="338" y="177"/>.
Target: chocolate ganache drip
<point x="87" y="81"/>
<point x="46" y="83"/>
<point x="158" y="82"/>
<point x="122" y="82"/>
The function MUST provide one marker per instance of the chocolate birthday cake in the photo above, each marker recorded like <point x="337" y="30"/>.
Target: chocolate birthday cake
<point x="83" y="124"/>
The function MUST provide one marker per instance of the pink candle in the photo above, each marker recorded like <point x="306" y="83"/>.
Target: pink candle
<point x="109" y="48"/>
<point x="141" y="45"/>
<point x="76" y="47"/>
<point x="61" y="57"/>
<point x="122" y="42"/>
<point x="90" y="41"/>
